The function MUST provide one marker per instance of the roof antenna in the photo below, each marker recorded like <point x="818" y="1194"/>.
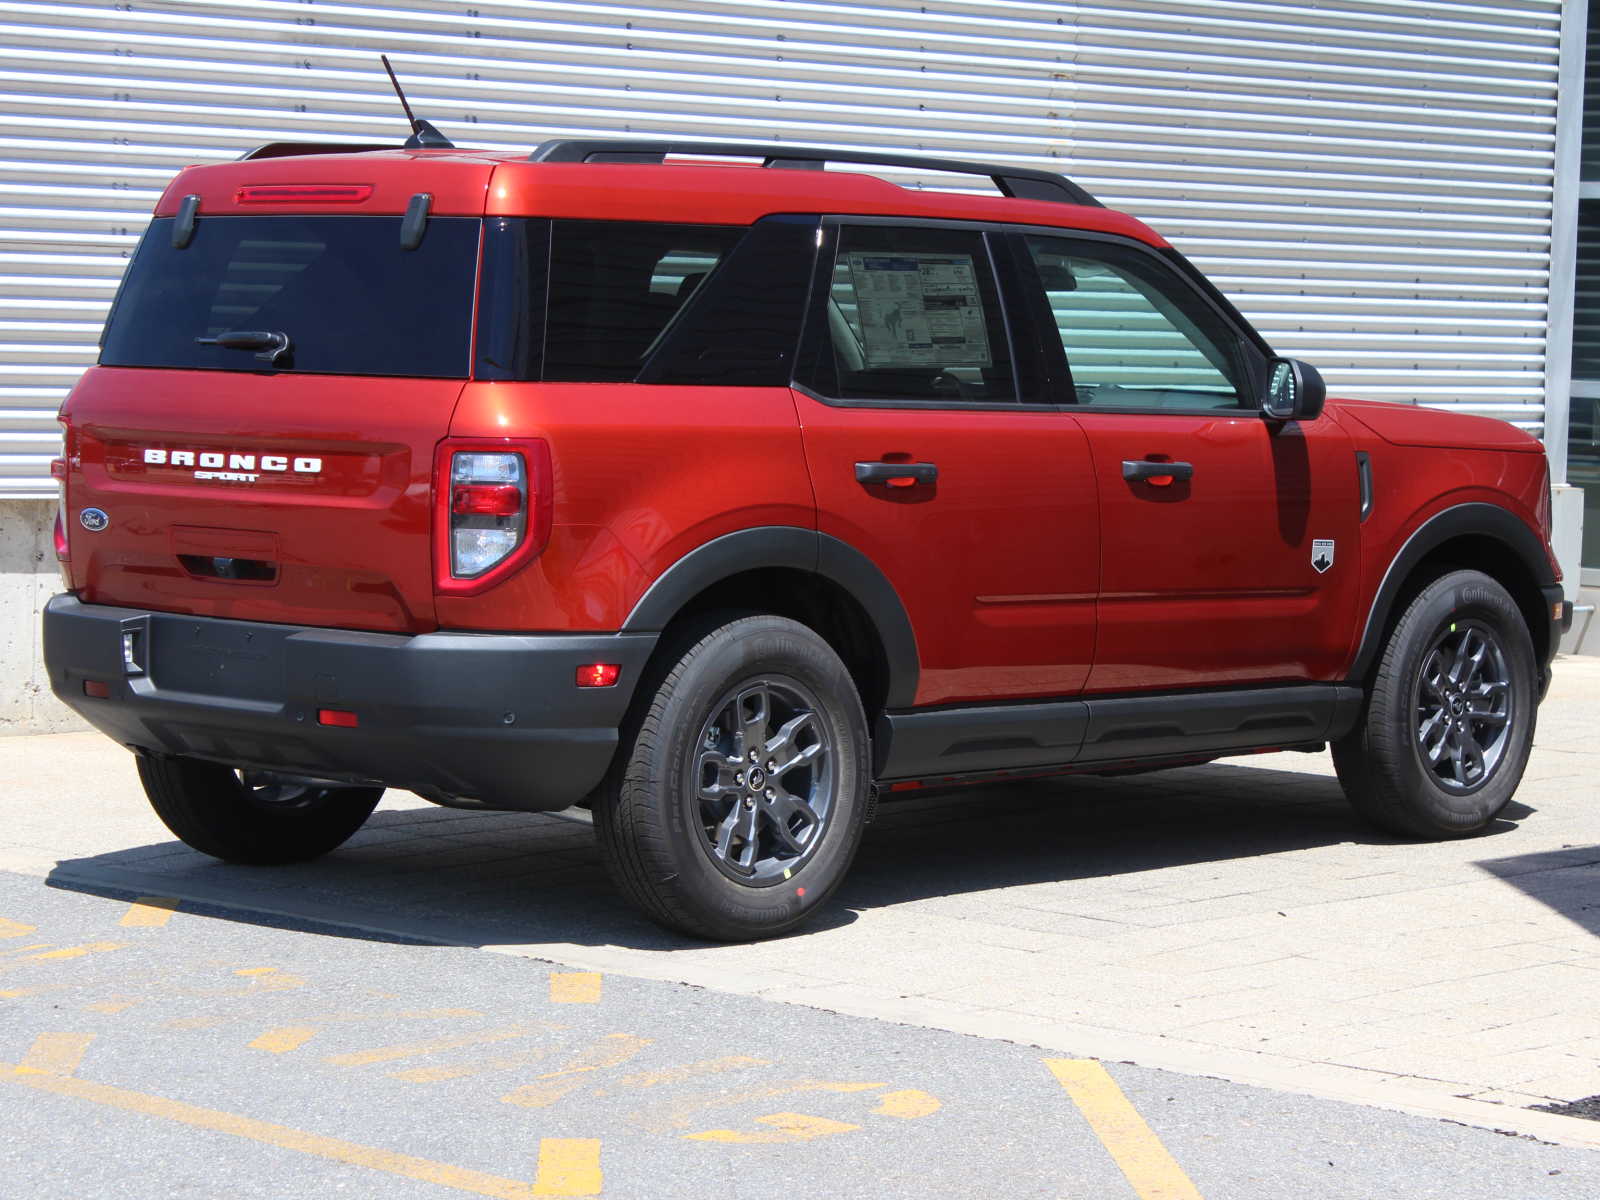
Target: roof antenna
<point x="423" y="135"/>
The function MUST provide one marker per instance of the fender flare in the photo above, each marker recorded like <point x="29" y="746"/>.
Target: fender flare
<point x="805" y="550"/>
<point x="1476" y="518"/>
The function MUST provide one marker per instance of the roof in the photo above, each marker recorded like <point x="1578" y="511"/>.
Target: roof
<point x="490" y="183"/>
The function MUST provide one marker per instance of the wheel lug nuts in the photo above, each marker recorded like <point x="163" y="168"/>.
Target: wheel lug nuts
<point x="749" y="803"/>
<point x="738" y="777"/>
<point x="772" y="765"/>
<point x="771" y="795"/>
<point x="754" y="757"/>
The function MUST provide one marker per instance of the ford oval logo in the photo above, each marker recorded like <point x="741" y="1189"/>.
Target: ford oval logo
<point x="93" y="519"/>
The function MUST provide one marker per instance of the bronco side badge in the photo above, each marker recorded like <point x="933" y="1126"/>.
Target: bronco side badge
<point x="1322" y="554"/>
<point x="93" y="519"/>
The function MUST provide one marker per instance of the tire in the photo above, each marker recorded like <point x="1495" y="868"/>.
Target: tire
<point x="1448" y="723"/>
<point x="217" y="811"/>
<point x="708" y="842"/>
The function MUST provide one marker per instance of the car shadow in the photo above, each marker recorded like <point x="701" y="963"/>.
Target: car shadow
<point x="444" y="876"/>
<point x="1566" y="881"/>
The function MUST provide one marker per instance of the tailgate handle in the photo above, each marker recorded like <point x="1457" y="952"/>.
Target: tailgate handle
<point x="896" y="474"/>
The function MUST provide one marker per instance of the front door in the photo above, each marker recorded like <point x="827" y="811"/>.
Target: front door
<point x="1229" y="550"/>
<point x="930" y="456"/>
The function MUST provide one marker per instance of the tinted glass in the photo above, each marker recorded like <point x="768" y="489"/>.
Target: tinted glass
<point x="743" y="328"/>
<point x="912" y="314"/>
<point x="350" y="300"/>
<point x="616" y="287"/>
<point x="1134" y="336"/>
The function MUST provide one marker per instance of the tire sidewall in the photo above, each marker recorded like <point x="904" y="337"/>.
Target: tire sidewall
<point x="741" y="652"/>
<point x="1459" y="596"/>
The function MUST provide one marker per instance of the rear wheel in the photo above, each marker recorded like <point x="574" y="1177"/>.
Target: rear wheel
<point x="738" y="799"/>
<point x="246" y="817"/>
<point x="1449" y="723"/>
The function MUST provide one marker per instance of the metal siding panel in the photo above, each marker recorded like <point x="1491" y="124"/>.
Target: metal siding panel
<point x="1369" y="179"/>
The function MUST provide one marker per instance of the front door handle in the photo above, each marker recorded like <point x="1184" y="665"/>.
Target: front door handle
<point x="1156" y="474"/>
<point x="896" y="474"/>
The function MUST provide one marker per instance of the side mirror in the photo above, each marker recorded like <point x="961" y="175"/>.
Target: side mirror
<point x="1295" y="391"/>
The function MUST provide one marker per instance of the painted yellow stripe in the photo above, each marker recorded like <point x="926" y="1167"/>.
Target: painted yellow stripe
<point x="786" y="1127"/>
<point x="11" y="929"/>
<point x="907" y="1105"/>
<point x="149" y="911"/>
<point x="1152" y="1172"/>
<point x="55" y="1054"/>
<point x="285" y="1039"/>
<point x="611" y="1051"/>
<point x="568" y="1167"/>
<point x="78" y="951"/>
<point x="366" y="1058"/>
<point x="575" y="987"/>
<point x="336" y="1149"/>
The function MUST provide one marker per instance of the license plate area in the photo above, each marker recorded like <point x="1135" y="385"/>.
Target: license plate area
<point x="217" y="658"/>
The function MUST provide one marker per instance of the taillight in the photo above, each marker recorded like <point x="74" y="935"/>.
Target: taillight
<point x="58" y="472"/>
<point x="493" y="506"/>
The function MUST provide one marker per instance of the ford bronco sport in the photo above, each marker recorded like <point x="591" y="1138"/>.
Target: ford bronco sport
<point x="715" y="496"/>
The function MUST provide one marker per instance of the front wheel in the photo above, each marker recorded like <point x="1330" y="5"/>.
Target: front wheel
<point x="739" y="795"/>
<point x="242" y="817"/>
<point x="1449" y="722"/>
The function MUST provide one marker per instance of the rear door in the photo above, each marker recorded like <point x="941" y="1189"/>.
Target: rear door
<point x="1239" y="564"/>
<point x="263" y="481"/>
<point x="930" y="452"/>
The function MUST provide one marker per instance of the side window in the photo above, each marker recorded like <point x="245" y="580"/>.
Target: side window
<point x="1134" y="334"/>
<point x="912" y="314"/>
<point x="616" y="286"/>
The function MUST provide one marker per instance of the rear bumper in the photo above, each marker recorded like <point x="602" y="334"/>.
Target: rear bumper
<point x="491" y="718"/>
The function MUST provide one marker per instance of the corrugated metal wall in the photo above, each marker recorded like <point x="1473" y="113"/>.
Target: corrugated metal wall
<point x="1369" y="179"/>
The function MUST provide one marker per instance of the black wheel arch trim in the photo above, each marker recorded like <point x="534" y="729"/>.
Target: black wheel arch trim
<point x="1473" y="518"/>
<point x="800" y="549"/>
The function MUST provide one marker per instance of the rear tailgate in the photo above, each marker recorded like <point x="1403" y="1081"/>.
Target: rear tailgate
<point x="258" y="440"/>
<point x="287" y="498"/>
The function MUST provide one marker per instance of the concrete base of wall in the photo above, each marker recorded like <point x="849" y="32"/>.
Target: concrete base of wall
<point x="28" y="577"/>
<point x="1585" y="635"/>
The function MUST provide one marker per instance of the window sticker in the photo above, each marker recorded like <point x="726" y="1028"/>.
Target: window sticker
<point x="919" y="310"/>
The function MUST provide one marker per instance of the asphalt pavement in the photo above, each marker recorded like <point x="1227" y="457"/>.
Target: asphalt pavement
<point x="959" y="1022"/>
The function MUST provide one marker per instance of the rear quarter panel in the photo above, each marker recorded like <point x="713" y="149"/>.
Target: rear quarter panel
<point x="643" y="474"/>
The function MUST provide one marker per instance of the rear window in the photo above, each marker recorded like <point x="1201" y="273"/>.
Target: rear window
<point x="350" y="300"/>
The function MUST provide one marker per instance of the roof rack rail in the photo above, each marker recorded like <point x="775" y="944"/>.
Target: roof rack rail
<point x="1020" y="182"/>
<point x="286" y="149"/>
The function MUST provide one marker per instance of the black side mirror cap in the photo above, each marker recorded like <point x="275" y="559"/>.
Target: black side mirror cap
<point x="1295" y="391"/>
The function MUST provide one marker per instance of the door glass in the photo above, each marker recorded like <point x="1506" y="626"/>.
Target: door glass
<point x="1134" y="335"/>
<point x="912" y="314"/>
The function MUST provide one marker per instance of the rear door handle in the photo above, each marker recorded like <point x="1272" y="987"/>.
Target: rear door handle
<point x="1157" y="474"/>
<point x="896" y="474"/>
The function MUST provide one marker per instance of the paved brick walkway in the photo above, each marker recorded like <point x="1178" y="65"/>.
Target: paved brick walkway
<point x="1232" y="919"/>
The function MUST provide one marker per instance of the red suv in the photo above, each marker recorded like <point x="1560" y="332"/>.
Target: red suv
<point x="717" y="496"/>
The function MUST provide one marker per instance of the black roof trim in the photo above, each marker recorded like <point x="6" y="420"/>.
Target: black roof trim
<point x="289" y="149"/>
<point x="1020" y="182"/>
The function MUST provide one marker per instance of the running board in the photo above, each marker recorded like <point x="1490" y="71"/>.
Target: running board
<point x="956" y="741"/>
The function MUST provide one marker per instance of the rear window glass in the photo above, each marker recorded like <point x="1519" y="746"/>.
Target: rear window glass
<point x="615" y="289"/>
<point x="350" y="300"/>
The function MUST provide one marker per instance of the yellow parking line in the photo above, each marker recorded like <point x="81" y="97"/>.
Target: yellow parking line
<point x="78" y="951"/>
<point x="610" y="1051"/>
<point x="55" y="1054"/>
<point x="366" y="1058"/>
<point x="568" y="1167"/>
<point x="575" y="987"/>
<point x="404" y="1165"/>
<point x="149" y="911"/>
<point x="11" y="929"/>
<point x="1152" y="1172"/>
<point x="285" y="1039"/>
